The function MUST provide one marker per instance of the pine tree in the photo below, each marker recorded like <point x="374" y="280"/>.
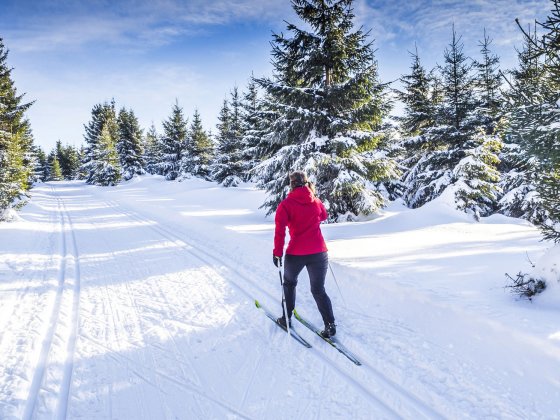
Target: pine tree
<point x="538" y="119"/>
<point x="129" y="145"/>
<point x="102" y="116"/>
<point x="420" y="110"/>
<point x="253" y="120"/>
<point x="153" y="151"/>
<point x="72" y="160"/>
<point x="200" y="151"/>
<point x="419" y="107"/>
<point x="16" y="141"/>
<point x="327" y="108"/>
<point x="488" y="83"/>
<point x="106" y="169"/>
<point x="520" y="169"/>
<point x="69" y="160"/>
<point x="227" y="168"/>
<point x="460" y="157"/>
<point x="41" y="170"/>
<point x="56" y="171"/>
<point x="174" y="143"/>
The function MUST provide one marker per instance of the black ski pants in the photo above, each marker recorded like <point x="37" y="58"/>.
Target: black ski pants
<point x="316" y="265"/>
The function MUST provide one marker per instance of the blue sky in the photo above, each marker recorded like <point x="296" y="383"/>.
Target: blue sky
<point x="69" y="55"/>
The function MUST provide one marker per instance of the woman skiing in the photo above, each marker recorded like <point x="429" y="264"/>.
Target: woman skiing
<point x="302" y="212"/>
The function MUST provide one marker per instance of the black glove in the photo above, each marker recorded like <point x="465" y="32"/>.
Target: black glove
<point x="277" y="261"/>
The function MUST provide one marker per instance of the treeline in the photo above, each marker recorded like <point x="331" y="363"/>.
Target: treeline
<point x="486" y="139"/>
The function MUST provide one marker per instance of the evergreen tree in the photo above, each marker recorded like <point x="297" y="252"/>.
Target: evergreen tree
<point x="102" y="116"/>
<point x="419" y="107"/>
<point x="153" y="151"/>
<point x="488" y="84"/>
<point x="461" y="158"/>
<point x="252" y="117"/>
<point x="41" y="170"/>
<point x="227" y="168"/>
<point x="326" y="106"/>
<point x="106" y="168"/>
<point x="68" y="159"/>
<point x="538" y="119"/>
<point x="16" y="141"/>
<point x="55" y="172"/>
<point x="174" y="143"/>
<point x="520" y="169"/>
<point x="129" y="145"/>
<point x="200" y="152"/>
<point x="72" y="159"/>
<point x="420" y="110"/>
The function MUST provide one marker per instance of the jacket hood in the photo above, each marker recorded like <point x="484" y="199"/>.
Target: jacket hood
<point x="302" y="195"/>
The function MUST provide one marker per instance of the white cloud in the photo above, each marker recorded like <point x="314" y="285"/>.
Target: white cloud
<point x="127" y="22"/>
<point x="398" y="25"/>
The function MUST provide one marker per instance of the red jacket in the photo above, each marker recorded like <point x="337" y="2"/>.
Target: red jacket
<point x="302" y="213"/>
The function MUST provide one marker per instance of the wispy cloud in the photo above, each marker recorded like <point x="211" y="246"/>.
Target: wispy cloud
<point x="68" y="24"/>
<point x="428" y="23"/>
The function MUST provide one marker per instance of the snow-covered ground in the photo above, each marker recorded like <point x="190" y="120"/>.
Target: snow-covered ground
<point x="137" y="302"/>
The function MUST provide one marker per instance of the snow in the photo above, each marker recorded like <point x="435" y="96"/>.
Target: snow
<point x="137" y="302"/>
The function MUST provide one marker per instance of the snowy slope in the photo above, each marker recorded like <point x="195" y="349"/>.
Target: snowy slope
<point x="137" y="302"/>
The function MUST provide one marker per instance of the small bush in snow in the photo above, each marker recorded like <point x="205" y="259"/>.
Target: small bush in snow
<point x="524" y="285"/>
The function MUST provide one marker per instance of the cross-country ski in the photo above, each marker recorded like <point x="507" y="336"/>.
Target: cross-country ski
<point x="293" y="333"/>
<point x="333" y="341"/>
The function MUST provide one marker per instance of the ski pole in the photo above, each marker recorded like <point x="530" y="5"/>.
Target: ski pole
<point x="338" y="287"/>
<point x="284" y="304"/>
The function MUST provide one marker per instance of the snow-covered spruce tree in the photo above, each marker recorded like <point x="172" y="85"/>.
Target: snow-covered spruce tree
<point x="200" y="150"/>
<point x="420" y="99"/>
<point x="540" y="117"/>
<point x="228" y="166"/>
<point x="105" y="167"/>
<point x="489" y="108"/>
<point x="71" y="162"/>
<point x="419" y="107"/>
<point x="41" y="170"/>
<point x="102" y="116"/>
<point x="16" y="141"/>
<point x="252" y="124"/>
<point x="129" y="145"/>
<point x="462" y="157"/>
<point x="55" y="172"/>
<point x="153" y="154"/>
<point x="328" y="107"/>
<point x="68" y="159"/>
<point x="519" y="168"/>
<point x="173" y="142"/>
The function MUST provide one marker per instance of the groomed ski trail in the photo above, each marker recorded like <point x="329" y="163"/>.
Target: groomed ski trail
<point x="393" y="400"/>
<point x="49" y="389"/>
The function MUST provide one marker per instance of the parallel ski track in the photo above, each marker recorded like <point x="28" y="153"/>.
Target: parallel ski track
<point x="142" y="370"/>
<point x="65" y="223"/>
<point x="383" y="390"/>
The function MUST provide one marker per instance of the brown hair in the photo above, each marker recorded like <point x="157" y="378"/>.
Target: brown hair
<point x="299" y="179"/>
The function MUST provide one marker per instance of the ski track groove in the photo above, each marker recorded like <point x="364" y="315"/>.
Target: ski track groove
<point x="149" y="354"/>
<point x="251" y="380"/>
<point x="62" y="406"/>
<point x="11" y="348"/>
<point x="384" y="383"/>
<point x="124" y="360"/>
<point x="134" y="303"/>
<point x="181" y="363"/>
<point x="175" y="352"/>
<point x="121" y="334"/>
<point x="39" y="379"/>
